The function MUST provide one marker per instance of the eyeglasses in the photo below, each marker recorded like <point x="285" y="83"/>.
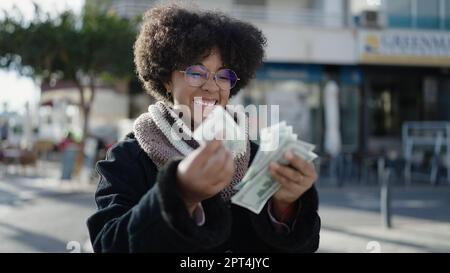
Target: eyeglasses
<point x="198" y="75"/>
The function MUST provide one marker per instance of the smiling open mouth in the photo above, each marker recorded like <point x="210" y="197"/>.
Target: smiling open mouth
<point x="205" y="101"/>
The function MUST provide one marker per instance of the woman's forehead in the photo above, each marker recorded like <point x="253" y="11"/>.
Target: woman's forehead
<point x="212" y="52"/>
<point x="211" y="56"/>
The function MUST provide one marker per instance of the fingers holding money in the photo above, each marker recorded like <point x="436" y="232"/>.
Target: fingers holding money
<point x="204" y="172"/>
<point x="283" y="184"/>
<point x="289" y="179"/>
<point x="304" y="167"/>
<point x="221" y="166"/>
<point x="286" y="172"/>
<point x="205" y="152"/>
<point x="294" y="179"/>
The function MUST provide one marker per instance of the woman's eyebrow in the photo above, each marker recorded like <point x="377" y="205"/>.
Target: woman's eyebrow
<point x="221" y="67"/>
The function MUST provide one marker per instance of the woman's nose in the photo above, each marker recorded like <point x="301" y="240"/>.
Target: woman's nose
<point x="210" y="84"/>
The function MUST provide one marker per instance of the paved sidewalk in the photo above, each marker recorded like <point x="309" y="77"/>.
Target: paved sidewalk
<point x="45" y="176"/>
<point x="351" y="221"/>
<point x="41" y="213"/>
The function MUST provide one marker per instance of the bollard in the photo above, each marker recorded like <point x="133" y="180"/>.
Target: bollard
<point x="385" y="193"/>
<point x="68" y="162"/>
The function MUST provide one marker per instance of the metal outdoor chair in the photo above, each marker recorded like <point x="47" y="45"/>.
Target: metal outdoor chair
<point x="426" y="148"/>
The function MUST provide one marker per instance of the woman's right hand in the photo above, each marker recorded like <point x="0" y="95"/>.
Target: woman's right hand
<point x="204" y="173"/>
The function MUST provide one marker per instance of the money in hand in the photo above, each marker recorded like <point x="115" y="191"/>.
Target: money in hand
<point x="219" y="124"/>
<point x="257" y="186"/>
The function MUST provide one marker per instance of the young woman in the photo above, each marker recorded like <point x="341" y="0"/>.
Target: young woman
<point x="161" y="194"/>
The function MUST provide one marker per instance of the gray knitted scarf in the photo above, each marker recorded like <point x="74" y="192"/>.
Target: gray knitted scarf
<point x="163" y="135"/>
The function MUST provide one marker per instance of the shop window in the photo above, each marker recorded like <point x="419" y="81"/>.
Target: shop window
<point x="428" y="14"/>
<point x="447" y="14"/>
<point x="399" y="13"/>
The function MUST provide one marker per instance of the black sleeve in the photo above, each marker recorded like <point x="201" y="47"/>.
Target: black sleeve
<point x="140" y="209"/>
<point x="304" y="235"/>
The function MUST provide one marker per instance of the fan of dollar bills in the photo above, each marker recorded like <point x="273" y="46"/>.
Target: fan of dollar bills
<point x="257" y="186"/>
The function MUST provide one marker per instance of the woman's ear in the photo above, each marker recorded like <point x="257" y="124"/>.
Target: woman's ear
<point x="168" y="86"/>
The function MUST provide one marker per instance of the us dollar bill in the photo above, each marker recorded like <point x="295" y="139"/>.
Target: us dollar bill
<point x="219" y="124"/>
<point x="257" y="186"/>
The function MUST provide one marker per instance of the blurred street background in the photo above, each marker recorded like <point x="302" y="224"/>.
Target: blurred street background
<point x="366" y="81"/>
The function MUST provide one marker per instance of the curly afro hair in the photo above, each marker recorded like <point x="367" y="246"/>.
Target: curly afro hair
<point x="173" y="37"/>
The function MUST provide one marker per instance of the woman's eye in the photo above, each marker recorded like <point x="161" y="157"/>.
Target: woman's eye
<point x="195" y="75"/>
<point x="223" y="78"/>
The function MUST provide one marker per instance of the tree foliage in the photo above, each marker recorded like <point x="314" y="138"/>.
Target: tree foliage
<point x="81" y="49"/>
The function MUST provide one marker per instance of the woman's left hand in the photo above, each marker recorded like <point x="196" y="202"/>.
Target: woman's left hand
<point x="294" y="179"/>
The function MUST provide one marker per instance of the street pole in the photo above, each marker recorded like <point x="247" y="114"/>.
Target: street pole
<point x="385" y="193"/>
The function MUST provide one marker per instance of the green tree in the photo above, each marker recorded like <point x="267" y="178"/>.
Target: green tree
<point x="81" y="49"/>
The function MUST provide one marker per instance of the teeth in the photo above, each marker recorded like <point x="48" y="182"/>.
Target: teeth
<point x="205" y="102"/>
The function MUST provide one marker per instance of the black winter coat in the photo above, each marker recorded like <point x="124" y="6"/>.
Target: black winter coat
<point x="141" y="210"/>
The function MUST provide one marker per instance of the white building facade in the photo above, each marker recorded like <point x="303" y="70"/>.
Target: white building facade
<point x="389" y="58"/>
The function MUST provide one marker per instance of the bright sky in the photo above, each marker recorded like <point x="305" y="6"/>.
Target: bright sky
<point x="14" y="89"/>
